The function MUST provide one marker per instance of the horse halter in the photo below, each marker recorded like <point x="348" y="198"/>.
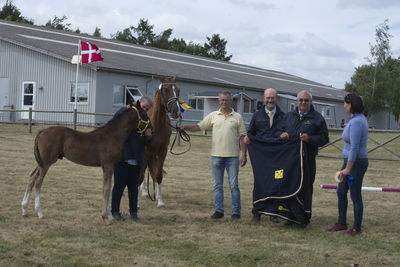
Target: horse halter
<point x="142" y="124"/>
<point x="172" y="99"/>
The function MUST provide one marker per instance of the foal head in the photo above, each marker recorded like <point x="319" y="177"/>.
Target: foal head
<point x="170" y="95"/>
<point x="143" y="120"/>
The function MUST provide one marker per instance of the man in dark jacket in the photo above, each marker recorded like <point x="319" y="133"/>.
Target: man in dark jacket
<point x="308" y="125"/>
<point x="262" y="129"/>
<point x="127" y="171"/>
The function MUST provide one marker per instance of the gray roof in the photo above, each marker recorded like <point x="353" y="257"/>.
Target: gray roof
<point x="130" y="58"/>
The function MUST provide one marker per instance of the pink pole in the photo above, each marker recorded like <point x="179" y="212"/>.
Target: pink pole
<point x="331" y="186"/>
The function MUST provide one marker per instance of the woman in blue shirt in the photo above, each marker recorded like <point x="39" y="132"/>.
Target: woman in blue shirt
<point x="355" y="164"/>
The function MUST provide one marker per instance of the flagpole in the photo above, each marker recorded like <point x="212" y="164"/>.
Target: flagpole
<point x="77" y="73"/>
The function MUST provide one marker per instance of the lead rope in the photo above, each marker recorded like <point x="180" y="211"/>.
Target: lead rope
<point x="148" y="187"/>
<point x="178" y="131"/>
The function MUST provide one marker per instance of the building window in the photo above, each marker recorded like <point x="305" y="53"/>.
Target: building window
<point x="122" y="94"/>
<point x="197" y="103"/>
<point x="328" y="113"/>
<point x="249" y="106"/>
<point x="28" y="93"/>
<point x="83" y="93"/>
<point x="292" y="106"/>
<point x="253" y="106"/>
<point x="246" y="106"/>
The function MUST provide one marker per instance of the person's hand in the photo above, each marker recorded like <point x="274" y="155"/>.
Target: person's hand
<point x="304" y="137"/>
<point x="148" y="132"/>
<point x="284" y="136"/>
<point x="343" y="173"/>
<point x="243" y="160"/>
<point x="246" y="140"/>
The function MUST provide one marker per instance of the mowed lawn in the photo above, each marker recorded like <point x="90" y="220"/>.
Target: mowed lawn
<point x="180" y="234"/>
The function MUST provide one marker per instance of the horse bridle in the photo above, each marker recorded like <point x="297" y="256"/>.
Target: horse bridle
<point x="171" y="100"/>
<point x="142" y="125"/>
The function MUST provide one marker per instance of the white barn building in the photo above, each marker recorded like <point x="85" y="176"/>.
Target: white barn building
<point x="36" y="72"/>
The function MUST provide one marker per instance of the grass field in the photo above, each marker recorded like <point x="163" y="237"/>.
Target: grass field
<point x="72" y="232"/>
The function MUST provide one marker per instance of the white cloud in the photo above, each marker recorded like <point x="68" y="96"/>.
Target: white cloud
<point x="380" y="4"/>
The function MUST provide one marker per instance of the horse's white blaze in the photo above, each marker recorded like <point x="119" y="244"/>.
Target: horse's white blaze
<point x="25" y="202"/>
<point x="160" y="202"/>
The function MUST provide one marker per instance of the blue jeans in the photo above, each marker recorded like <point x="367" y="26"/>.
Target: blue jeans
<point x="231" y="165"/>
<point x="358" y="170"/>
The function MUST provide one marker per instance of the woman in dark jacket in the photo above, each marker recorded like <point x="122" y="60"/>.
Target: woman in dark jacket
<point x="127" y="171"/>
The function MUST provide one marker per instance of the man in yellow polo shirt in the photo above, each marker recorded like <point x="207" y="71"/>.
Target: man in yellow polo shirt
<point x="228" y="131"/>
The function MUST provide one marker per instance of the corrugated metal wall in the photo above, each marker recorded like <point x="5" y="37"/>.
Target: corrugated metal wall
<point x="53" y="75"/>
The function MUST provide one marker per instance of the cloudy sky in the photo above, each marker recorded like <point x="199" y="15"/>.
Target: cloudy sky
<point x="320" y="40"/>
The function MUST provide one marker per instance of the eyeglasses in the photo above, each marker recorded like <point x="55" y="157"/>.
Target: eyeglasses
<point x="305" y="100"/>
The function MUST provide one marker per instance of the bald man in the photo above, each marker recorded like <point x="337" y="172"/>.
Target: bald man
<point x="262" y="128"/>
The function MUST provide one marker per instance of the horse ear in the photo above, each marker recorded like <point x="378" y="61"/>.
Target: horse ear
<point x="138" y="104"/>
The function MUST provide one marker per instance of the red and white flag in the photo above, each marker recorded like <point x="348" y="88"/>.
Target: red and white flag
<point x="90" y="52"/>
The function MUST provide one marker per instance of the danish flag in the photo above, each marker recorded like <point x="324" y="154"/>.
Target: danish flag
<point x="90" y="52"/>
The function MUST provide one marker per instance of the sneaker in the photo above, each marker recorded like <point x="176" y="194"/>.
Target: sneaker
<point x="134" y="217"/>
<point x="235" y="217"/>
<point x="217" y="215"/>
<point x="256" y="217"/>
<point x="337" y="227"/>
<point x="117" y="216"/>
<point x="352" y="232"/>
<point x="274" y="219"/>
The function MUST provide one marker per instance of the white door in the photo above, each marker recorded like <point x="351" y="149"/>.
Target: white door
<point x="4" y="116"/>
<point x="28" y="98"/>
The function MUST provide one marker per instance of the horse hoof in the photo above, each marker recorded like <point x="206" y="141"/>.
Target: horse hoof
<point x="106" y="220"/>
<point x="160" y="205"/>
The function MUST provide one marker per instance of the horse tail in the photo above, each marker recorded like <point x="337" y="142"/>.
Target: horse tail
<point x="37" y="153"/>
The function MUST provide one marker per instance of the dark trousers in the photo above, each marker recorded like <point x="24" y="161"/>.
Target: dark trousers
<point x="358" y="170"/>
<point x="125" y="175"/>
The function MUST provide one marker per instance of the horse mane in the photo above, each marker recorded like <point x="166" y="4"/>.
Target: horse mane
<point x="159" y="115"/>
<point x="113" y="119"/>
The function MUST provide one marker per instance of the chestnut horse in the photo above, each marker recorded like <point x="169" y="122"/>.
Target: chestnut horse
<point x="165" y="101"/>
<point x="100" y="147"/>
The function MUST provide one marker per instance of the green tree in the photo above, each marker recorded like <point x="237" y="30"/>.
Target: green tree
<point x="216" y="48"/>
<point x="10" y="12"/>
<point x="373" y="81"/>
<point x="162" y="40"/>
<point x="391" y="81"/>
<point x="125" y="35"/>
<point x="144" y="33"/>
<point x="97" y="32"/>
<point x="361" y="83"/>
<point x="59" y="23"/>
<point x="380" y="51"/>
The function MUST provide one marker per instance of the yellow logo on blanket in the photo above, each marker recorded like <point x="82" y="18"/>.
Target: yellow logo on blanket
<point x="283" y="208"/>
<point x="279" y="174"/>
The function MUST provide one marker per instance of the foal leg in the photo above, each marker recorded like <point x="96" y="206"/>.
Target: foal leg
<point x="160" y="202"/>
<point x="107" y="177"/>
<point x="38" y="186"/>
<point x="143" y="188"/>
<point x="28" y="192"/>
